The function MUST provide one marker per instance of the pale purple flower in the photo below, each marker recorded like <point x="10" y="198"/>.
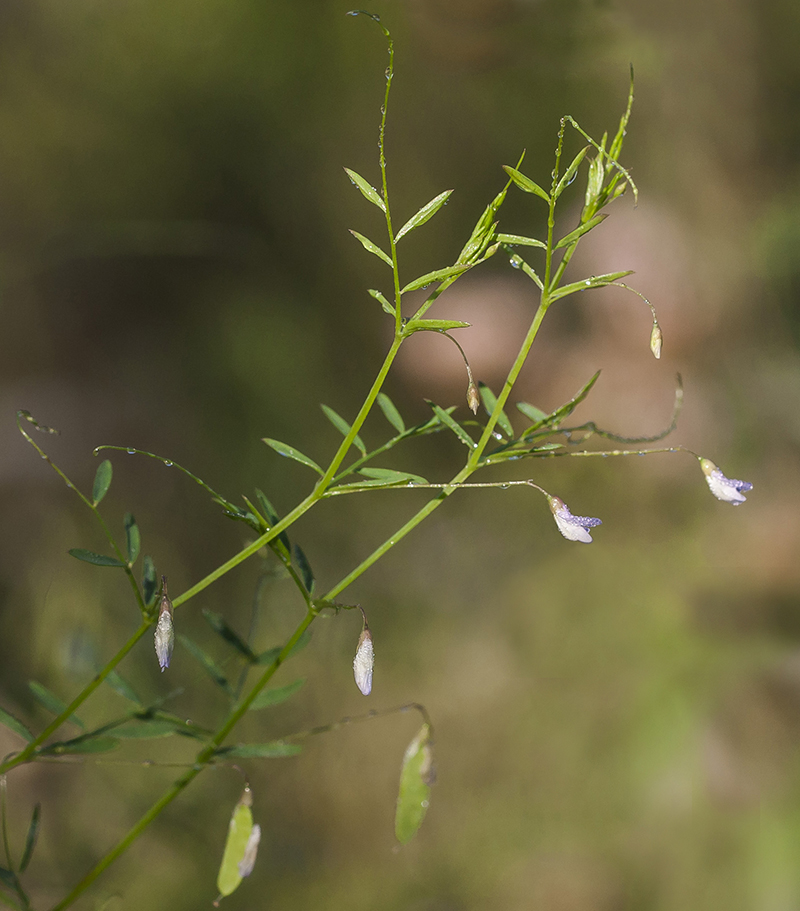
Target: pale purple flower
<point x="574" y="528"/>
<point x="724" y="488"/>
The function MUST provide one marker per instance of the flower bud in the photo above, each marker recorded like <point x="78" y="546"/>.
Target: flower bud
<point x="656" y="340"/>
<point x="473" y="397"/>
<point x="165" y="632"/>
<point x="364" y="661"/>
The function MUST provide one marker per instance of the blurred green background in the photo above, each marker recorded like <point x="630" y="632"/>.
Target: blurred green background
<point x="617" y="727"/>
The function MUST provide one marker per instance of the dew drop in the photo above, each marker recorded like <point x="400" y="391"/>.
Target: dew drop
<point x="131" y="451"/>
<point x="425" y="804"/>
<point x="168" y="464"/>
<point x="517" y="263"/>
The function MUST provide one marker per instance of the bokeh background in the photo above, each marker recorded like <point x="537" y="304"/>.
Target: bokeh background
<point x="617" y="726"/>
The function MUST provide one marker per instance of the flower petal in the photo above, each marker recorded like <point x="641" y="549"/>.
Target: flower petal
<point x="363" y="663"/>
<point x="728" y="489"/>
<point x="574" y="528"/>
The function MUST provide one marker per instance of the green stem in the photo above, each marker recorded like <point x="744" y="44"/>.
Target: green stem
<point x="203" y="758"/>
<point x="472" y="464"/>
<point x="317" y="494"/>
<point x="26" y="754"/>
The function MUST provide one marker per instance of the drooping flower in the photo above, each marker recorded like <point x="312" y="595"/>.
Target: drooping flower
<point x="363" y="662"/>
<point x="473" y="397"/>
<point x="656" y="340"/>
<point x="165" y="632"/>
<point x="574" y="528"/>
<point x="724" y="488"/>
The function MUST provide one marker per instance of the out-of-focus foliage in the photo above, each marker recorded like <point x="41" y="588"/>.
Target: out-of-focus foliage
<point x="615" y="728"/>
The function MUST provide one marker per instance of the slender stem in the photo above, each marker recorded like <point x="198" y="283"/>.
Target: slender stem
<point x="203" y="758"/>
<point x="25" y="754"/>
<point x="471" y="465"/>
<point x="312" y="498"/>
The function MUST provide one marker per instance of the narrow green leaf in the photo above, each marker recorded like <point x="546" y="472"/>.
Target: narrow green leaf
<point x="569" y="174"/>
<point x="14" y="724"/>
<point x="484" y="229"/>
<point x="121" y="686"/>
<point x="518" y="262"/>
<point x="133" y="537"/>
<point x="434" y="325"/>
<point x="595" y="281"/>
<point x="50" y="701"/>
<point x="616" y="145"/>
<point x="301" y="564"/>
<point x="553" y="419"/>
<point x="390" y="412"/>
<point x="367" y="189"/>
<point x="291" y="453"/>
<point x="7" y="877"/>
<point x="489" y="400"/>
<point x="30" y="838"/>
<point x="375" y="483"/>
<point x="520" y="240"/>
<point x="388" y="308"/>
<point x="525" y="183"/>
<point x="89" y="556"/>
<point x="276" y="749"/>
<point x="146" y="729"/>
<point x="149" y="582"/>
<point x="218" y="623"/>
<point x="272" y="517"/>
<point x="388" y="474"/>
<point x="532" y="412"/>
<point x="426" y="212"/>
<point x="239" y="831"/>
<point x="277" y="695"/>
<point x="88" y="744"/>
<point x="301" y="643"/>
<point x="343" y="427"/>
<point x="102" y="481"/>
<point x="209" y="665"/>
<point x="368" y="245"/>
<point x="570" y="238"/>
<point x="269" y="655"/>
<point x="437" y="276"/>
<point x="416" y="778"/>
<point x="457" y="429"/>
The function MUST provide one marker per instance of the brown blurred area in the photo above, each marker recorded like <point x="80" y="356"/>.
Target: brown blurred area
<point x="617" y="726"/>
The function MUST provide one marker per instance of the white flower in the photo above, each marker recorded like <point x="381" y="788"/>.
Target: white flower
<point x="724" y="488"/>
<point x="248" y="860"/>
<point x="574" y="528"/>
<point x="363" y="662"/>
<point x="165" y="633"/>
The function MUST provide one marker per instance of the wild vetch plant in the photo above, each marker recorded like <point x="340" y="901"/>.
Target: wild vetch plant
<point x="354" y="469"/>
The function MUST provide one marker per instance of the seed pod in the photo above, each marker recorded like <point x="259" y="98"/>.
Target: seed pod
<point x="364" y="660"/>
<point x="165" y="632"/>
